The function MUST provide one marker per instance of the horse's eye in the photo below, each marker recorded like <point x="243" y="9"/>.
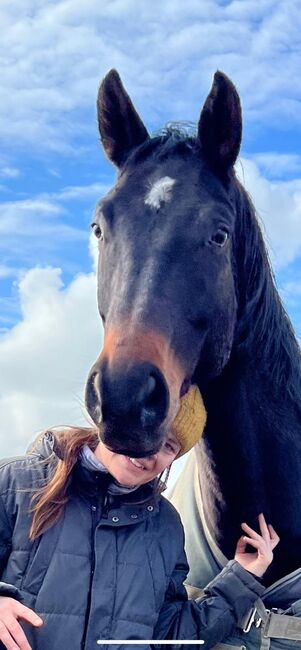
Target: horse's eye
<point x="220" y="237"/>
<point x="97" y="231"/>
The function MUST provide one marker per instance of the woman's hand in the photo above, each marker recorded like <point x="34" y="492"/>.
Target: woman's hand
<point x="263" y="544"/>
<point x="11" y="633"/>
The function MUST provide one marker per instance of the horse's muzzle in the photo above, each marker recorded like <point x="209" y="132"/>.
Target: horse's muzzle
<point x="128" y="404"/>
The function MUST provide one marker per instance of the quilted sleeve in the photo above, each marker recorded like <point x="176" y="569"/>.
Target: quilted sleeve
<point x="211" y="618"/>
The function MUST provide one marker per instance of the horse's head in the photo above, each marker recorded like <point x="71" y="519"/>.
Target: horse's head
<point x="166" y="290"/>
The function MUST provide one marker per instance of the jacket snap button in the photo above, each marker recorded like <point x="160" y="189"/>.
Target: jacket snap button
<point x="150" y="508"/>
<point x="134" y="516"/>
<point x="115" y="519"/>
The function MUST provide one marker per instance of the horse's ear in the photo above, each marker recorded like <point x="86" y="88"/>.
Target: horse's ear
<point x="120" y="126"/>
<point x="220" y="124"/>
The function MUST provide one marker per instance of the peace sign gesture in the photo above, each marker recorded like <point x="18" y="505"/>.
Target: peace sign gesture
<point x="264" y="544"/>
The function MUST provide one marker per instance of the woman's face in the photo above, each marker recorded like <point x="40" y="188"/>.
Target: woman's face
<point x="136" y="471"/>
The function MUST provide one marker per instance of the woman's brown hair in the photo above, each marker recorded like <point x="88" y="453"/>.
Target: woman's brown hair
<point x="48" y="502"/>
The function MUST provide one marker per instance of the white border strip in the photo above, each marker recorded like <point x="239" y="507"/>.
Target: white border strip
<point x="174" y="642"/>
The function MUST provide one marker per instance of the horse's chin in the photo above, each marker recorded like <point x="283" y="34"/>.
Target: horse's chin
<point x="133" y="453"/>
<point x="129" y="444"/>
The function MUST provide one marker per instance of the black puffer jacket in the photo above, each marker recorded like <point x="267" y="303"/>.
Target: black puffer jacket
<point x="111" y="568"/>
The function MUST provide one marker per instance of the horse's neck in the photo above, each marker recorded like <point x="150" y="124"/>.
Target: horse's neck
<point x="250" y="459"/>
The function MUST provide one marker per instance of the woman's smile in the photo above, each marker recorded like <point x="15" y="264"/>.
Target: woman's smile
<point x="128" y="470"/>
<point x="135" y="462"/>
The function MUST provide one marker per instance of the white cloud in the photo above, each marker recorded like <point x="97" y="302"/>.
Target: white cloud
<point x="290" y="290"/>
<point x="32" y="227"/>
<point x="276" y="165"/>
<point x="18" y="216"/>
<point x="9" y="310"/>
<point x="278" y="205"/>
<point x="8" y="271"/>
<point x="45" y="359"/>
<point x="55" y="53"/>
<point x="9" y="172"/>
<point x="43" y="229"/>
<point x="36" y="214"/>
<point x="92" y="191"/>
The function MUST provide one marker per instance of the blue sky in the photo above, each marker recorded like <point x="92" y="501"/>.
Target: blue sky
<point x="53" y="55"/>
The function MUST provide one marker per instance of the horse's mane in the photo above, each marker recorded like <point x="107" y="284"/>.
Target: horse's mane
<point x="262" y="323"/>
<point x="174" y="138"/>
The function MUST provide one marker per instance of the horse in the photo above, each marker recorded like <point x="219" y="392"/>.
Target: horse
<point x="186" y="295"/>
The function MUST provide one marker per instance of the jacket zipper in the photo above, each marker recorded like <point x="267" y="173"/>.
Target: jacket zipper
<point x="104" y="512"/>
<point x="95" y="518"/>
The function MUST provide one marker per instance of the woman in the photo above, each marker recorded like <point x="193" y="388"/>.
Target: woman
<point x="91" y="551"/>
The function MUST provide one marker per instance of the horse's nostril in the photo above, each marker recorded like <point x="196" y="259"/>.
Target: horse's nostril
<point x="152" y="399"/>
<point x="92" y="397"/>
<point x="95" y="381"/>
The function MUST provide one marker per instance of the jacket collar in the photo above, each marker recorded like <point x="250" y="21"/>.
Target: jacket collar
<point x="93" y="483"/>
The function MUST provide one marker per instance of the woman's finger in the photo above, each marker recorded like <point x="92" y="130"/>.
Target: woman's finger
<point x="273" y="535"/>
<point x="17" y="633"/>
<point x="273" y="543"/>
<point x="264" y="527"/>
<point x="252" y="533"/>
<point x="7" y="639"/>
<point x="28" y="615"/>
<point x="256" y="543"/>
<point x="262" y="549"/>
<point x="241" y="545"/>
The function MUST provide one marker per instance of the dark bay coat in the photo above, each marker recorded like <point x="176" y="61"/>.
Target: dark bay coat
<point x="112" y="568"/>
